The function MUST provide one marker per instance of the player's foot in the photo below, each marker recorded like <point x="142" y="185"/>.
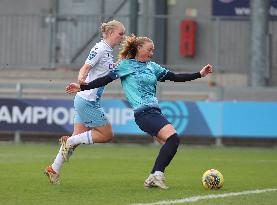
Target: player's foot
<point x="67" y="150"/>
<point x="54" y="177"/>
<point x="159" y="181"/>
<point x="148" y="183"/>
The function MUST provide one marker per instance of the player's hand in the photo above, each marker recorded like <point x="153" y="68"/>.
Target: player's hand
<point x="72" y="88"/>
<point x="206" y="70"/>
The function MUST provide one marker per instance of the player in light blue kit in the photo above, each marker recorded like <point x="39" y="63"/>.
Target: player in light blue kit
<point x="90" y="123"/>
<point x="139" y="78"/>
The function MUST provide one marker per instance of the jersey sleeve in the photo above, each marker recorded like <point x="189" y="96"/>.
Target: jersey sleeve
<point x="159" y="71"/>
<point x="124" y="68"/>
<point x="94" y="56"/>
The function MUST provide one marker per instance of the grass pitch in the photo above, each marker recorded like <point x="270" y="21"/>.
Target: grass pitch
<point x="114" y="174"/>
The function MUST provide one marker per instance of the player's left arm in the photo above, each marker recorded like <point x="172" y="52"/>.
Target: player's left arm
<point x="120" y="71"/>
<point x="183" y="77"/>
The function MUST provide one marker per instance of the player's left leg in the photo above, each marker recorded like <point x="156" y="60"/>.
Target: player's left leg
<point x="161" y="141"/>
<point x="92" y="115"/>
<point x="101" y="134"/>
<point x="166" y="154"/>
<point x="169" y="149"/>
<point x="152" y="121"/>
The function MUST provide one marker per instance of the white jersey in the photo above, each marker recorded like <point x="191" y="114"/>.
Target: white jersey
<point x="101" y="61"/>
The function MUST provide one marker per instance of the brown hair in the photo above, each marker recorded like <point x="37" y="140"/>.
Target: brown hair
<point x="109" y="26"/>
<point x="130" y="46"/>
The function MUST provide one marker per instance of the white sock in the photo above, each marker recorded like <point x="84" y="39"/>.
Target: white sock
<point x="83" y="138"/>
<point x="158" y="173"/>
<point x="58" y="162"/>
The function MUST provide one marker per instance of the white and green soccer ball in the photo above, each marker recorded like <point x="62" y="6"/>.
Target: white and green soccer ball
<point x="212" y="179"/>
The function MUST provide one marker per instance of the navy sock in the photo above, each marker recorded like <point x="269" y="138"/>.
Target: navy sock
<point x="166" y="154"/>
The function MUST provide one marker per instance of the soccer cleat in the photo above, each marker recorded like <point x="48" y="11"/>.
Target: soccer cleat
<point x="159" y="181"/>
<point x="148" y="183"/>
<point x="54" y="177"/>
<point x="67" y="151"/>
<point x="155" y="181"/>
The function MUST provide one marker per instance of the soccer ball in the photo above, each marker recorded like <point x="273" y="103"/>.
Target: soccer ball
<point x="212" y="179"/>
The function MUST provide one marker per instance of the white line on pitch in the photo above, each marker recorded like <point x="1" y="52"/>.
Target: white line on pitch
<point x="211" y="196"/>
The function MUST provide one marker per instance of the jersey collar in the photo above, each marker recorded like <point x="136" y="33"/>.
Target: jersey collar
<point x="107" y="45"/>
<point x="140" y="62"/>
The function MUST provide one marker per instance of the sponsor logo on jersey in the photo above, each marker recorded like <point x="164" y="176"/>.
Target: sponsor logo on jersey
<point x="111" y="66"/>
<point x="92" y="54"/>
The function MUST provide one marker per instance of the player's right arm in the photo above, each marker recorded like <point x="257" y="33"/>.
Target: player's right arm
<point x="93" y="58"/>
<point x="83" y="73"/>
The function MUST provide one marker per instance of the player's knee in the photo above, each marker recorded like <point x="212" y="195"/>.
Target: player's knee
<point x="174" y="140"/>
<point x="110" y="138"/>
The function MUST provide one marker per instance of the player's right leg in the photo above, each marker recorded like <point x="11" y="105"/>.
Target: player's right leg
<point x="92" y="115"/>
<point x="54" y="177"/>
<point x="53" y="171"/>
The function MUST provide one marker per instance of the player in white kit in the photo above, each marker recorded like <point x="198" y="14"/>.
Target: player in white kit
<point x="90" y="123"/>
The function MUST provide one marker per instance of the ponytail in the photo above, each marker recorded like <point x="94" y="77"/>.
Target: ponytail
<point x="130" y="46"/>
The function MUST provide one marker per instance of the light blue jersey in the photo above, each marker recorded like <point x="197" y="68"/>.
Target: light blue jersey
<point x="139" y="81"/>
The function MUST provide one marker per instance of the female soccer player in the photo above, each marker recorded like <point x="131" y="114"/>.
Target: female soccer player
<point x="139" y="78"/>
<point x="90" y="123"/>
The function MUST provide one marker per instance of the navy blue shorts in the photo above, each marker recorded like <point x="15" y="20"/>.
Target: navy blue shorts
<point x="150" y="120"/>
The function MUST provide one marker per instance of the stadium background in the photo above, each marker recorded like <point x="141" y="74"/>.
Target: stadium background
<point x="44" y="43"/>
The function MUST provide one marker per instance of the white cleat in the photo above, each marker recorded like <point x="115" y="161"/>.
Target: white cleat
<point x="159" y="181"/>
<point x="148" y="183"/>
<point x="155" y="181"/>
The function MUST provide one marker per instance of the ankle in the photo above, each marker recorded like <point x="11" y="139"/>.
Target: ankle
<point x="158" y="173"/>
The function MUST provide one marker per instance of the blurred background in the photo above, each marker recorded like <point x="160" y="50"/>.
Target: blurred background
<point x="43" y="44"/>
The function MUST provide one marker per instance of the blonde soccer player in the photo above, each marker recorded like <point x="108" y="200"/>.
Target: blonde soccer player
<point x="90" y="122"/>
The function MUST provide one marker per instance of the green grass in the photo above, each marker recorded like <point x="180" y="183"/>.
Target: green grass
<point x="114" y="174"/>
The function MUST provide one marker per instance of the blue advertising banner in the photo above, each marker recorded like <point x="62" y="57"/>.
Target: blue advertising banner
<point x="36" y="115"/>
<point x="250" y="119"/>
<point x="239" y="8"/>
<point x="240" y="119"/>
<point x="213" y="119"/>
<point x="57" y="115"/>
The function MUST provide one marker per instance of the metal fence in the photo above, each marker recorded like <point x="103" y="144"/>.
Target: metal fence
<point x="24" y="41"/>
<point x="39" y="41"/>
